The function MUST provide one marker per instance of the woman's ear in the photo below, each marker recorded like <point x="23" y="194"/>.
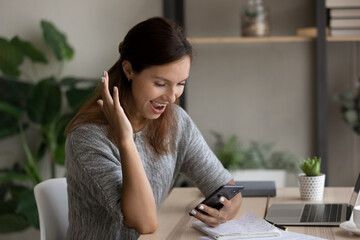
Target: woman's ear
<point x="127" y="68"/>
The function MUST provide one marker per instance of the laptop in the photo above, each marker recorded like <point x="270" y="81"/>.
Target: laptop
<point x="314" y="214"/>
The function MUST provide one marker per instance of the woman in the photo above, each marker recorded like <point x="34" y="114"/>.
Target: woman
<point x="126" y="146"/>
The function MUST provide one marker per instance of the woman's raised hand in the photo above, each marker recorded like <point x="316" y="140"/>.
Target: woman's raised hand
<point x="111" y="107"/>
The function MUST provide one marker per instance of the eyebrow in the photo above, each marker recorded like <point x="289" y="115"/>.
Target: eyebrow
<point x="167" y="80"/>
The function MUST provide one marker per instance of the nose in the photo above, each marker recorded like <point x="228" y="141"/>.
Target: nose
<point x="173" y="94"/>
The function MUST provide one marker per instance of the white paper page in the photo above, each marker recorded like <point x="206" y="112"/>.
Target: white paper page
<point x="284" y="236"/>
<point x="249" y="224"/>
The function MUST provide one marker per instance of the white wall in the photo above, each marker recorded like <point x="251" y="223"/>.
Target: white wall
<point x="258" y="91"/>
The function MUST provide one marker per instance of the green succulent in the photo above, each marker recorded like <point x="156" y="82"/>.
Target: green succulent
<point x="311" y="166"/>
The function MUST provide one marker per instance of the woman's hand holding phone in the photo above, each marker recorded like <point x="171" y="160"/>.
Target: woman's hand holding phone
<point x="223" y="209"/>
<point x="213" y="216"/>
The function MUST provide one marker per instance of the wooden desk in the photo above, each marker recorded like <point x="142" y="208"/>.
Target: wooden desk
<point x="175" y="222"/>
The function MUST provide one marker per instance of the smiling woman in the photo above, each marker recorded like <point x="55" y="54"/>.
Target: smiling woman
<point x="156" y="87"/>
<point x="128" y="144"/>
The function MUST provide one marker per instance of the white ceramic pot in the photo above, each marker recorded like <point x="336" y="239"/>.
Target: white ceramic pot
<point x="311" y="188"/>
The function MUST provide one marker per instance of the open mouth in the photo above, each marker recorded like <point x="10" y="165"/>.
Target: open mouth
<point x="158" y="107"/>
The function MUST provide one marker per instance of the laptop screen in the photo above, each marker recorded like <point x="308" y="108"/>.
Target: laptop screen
<point x="355" y="194"/>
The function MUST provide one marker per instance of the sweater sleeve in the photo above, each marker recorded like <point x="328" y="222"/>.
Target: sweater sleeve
<point x="93" y="165"/>
<point x="199" y="163"/>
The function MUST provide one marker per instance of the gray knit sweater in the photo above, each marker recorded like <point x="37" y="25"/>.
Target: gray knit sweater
<point x="94" y="176"/>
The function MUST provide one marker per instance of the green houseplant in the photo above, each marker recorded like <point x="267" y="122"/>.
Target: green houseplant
<point x="255" y="161"/>
<point x="40" y="106"/>
<point x="350" y="107"/>
<point x="235" y="155"/>
<point x="311" y="181"/>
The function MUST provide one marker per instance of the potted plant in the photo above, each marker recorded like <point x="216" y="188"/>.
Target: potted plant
<point x="39" y="106"/>
<point x="257" y="161"/>
<point x="311" y="182"/>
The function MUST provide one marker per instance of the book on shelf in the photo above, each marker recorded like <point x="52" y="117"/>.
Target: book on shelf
<point x="342" y="3"/>
<point x="344" y="13"/>
<point x="344" y="32"/>
<point x="345" y="23"/>
<point x="249" y="225"/>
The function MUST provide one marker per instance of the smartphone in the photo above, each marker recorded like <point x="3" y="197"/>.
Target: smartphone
<point x="228" y="191"/>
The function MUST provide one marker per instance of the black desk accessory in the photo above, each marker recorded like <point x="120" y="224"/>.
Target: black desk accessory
<point x="258" y="188"/>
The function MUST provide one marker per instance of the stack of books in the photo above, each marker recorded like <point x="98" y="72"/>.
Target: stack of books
<point x="344" y="17"/>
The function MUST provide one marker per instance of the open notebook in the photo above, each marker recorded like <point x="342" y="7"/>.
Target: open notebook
<point x="248" y="225"/>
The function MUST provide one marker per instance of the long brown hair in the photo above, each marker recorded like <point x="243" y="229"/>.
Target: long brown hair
<point x="153" y="42"/>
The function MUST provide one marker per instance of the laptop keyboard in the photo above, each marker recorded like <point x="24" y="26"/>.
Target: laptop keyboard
<point x="321" y="213"/>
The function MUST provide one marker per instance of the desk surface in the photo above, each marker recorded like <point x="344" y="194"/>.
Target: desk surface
<point x="175" y="222"/>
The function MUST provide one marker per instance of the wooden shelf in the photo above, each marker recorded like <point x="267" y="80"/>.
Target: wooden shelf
<point x="212" y="40"/>
<point x="343" y="39"/>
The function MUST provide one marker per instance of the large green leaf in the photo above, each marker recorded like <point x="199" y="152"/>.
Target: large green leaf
<point x="15" y="192"/>
<point x="7" y="206"/>
<point x="10" y="221"/>
<point x="13" y="223"/>
<point x="29" y="50"/>
<point x="44" y="102"/>
<point x="60" y="153"/>
<point x="10" y="58"/>
<point x="11" y="110"/>
<point x="57" y="41"/>
<point x="14" y="93"/>
<point x="77" y="97"/>
<point x="27" y="207"/>
<point x="4" y="187"/>
<point x="8" y="126"/>
<point x="61" y="139"/>
<point x="10" y="175"/>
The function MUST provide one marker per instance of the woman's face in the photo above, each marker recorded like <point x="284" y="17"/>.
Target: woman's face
<point x="157" y="86"/>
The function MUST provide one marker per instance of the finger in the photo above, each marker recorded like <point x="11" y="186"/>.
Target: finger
<point x="213" y="212"/>
<point x="105" y="93"/>
<point x="225" y="202"/>
<point x="116" y="98"/>
<point x="100" y="102"/>
<point x="209" y="220"/>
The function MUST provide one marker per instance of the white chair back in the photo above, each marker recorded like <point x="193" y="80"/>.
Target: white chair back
<point x="52" y="203"/>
